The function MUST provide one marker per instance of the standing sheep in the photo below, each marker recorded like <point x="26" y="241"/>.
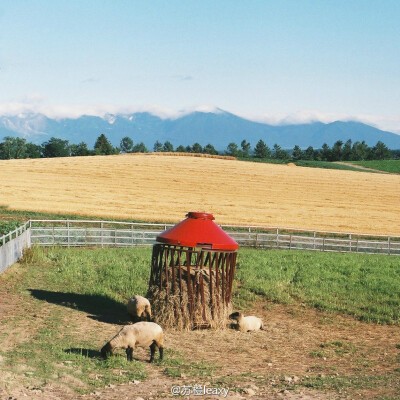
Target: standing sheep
<point x="139" y="308"/>
<point x="142" y="334"/>
<point x="247" y="324"/>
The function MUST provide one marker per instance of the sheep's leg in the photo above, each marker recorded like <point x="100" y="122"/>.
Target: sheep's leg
<point x="161" y="350"/>
<point x="153" y="348"/>
<point x="106" y="350"/>
<point x="129" y="353"/>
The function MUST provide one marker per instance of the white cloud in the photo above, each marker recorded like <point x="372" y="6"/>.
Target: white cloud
<point x="388" y="123"/>
<point x="34" y="103"/>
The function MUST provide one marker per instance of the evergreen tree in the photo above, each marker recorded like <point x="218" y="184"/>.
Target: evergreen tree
<point x="56" y="147"/>
<point x="262" y="150"/>
<point x="279" y="153"/>
<point x="80" y="149"/>
<point x="309" y="153"/>
<point x="103" y="146"/>
<point x="181" y="149"/>
<point x="126" y="144"/>
<point x="158" y="147"/>
<point x="168" y="147"/>
<point x="245" y="148"/>
<point x="381" y="152"/>
<point x="33" y="151"/>
<point x="232" y="150"/>
<point x="347" y="151"/>
<point x="297" y="153"/>
<point x="337" y="151"/>
<point x="326" y="153"/>
<point x="360" y="151"/>
<point x="139" y="148"/>
<point x="197" y="148"/>
<point x="210" y="149"/>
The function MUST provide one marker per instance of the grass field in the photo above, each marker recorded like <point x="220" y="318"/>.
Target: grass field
<point x="304" y="163"/>
<point x="392" y="166"/>
<point x="150" y="187"/>
<point x="63" y="304"/>
<point x="361" y="285"/>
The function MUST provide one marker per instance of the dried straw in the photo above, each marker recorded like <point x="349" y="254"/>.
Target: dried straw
<point x="172" y="310"/>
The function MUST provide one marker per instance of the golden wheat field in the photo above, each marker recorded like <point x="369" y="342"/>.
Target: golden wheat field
<point x="151" y="187"/>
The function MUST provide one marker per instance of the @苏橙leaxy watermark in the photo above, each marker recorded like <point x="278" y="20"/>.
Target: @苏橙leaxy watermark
<point x="198" y="390"/>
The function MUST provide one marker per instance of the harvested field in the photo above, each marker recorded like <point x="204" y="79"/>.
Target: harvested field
<point x="150" y="187"/>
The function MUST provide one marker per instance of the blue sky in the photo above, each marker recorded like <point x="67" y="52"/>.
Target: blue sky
<point x="276" y="61"/>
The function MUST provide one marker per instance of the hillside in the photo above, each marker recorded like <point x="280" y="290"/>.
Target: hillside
<point x="165" y="188"/>
<point x="218" y="128"/>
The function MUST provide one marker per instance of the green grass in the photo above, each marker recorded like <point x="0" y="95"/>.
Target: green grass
<point x="53" y="281"/>
<point x="326" y="165"/>
<point x="264" y="160"/>
<point x="343" y="382"/>
<point x="20" y="217"/>
<point x="381" y="165"/>
<point x="8" y="226"/>
<point x="304" y="163"/>
<point x="365" y="286"/>
<point x="58" y="283"/>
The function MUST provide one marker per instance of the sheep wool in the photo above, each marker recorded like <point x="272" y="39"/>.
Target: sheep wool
<point x="247" y="324"/>
<point x="139" y="308"/>
<point x="141" y="334"/>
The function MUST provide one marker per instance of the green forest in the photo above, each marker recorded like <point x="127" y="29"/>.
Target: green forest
<point x="16" y="147"/>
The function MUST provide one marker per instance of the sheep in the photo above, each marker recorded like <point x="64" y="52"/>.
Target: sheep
<point x="139" y="308"/>
<point x="141" y="334"/>
<point x="247" y="324"/>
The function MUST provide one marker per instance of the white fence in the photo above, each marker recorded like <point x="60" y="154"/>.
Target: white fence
<point x="80" y="233"/>
<point x="108" y="233"/>
<point x="12" y="246"/>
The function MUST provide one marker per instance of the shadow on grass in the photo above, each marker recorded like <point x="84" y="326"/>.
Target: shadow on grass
<point x="101" y="308"/>
<point x="88" y="353"/>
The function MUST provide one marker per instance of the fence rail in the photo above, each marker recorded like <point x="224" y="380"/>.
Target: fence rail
<point x="80" y="233"/>
<point x="109" y="233"/>
<point x="13" y="244"/>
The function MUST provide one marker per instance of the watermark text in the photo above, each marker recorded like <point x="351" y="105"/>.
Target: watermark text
<point x="198" y="390"/>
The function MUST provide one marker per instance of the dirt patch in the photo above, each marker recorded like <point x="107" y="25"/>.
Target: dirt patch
<point x="298" y="348"/>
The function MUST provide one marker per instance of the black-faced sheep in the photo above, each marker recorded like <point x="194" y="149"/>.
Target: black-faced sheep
<point x="142" y="334"/>
<point x="247" y="324"/>
<point x="139" y="308"/>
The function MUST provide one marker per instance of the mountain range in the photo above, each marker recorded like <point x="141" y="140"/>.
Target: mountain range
<point x="218" y="128"/>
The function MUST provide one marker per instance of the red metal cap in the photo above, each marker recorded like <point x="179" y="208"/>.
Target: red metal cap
<point x="198" y="230"/>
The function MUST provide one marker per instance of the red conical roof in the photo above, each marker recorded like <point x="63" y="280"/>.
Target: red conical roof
<point x="198" y="230"/>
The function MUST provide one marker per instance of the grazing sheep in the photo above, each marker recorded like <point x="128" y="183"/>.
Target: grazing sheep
<point x="246" y="324"/>
<point x="142" y="334"/>
<point x="139" y="308"/>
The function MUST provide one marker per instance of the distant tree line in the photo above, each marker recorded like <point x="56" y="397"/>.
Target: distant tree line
<point x="339" y="152"/>
<point x="15" y="147"/>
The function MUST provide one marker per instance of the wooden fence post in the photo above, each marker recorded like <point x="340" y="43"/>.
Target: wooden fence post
<point x="277" y="238"/>
<point x="389" y="245"/>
